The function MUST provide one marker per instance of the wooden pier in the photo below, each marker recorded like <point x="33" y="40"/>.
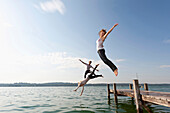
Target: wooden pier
<point x="141" y="96"/>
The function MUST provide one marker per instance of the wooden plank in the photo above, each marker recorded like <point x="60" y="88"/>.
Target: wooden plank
<point x="137" y="96"/>
<point x="156" y="100"/>
<point x="125" y="92"/>
<point x="161" y="98"/>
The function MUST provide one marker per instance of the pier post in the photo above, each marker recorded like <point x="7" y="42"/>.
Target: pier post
<point x="130" y="87"/>
<point x="146" y="86"/>
<point x="108" y="91"/>
<point x="115" y="93"/>
<point x="137" y="96"/>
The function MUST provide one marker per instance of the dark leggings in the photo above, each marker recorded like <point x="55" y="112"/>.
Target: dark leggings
<point x="92" y="75"/>
<point x="87" y="71"/>
<point x="102" y="55"/>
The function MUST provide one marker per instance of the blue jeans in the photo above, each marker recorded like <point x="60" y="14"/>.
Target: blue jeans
<point x="102" y="55"/>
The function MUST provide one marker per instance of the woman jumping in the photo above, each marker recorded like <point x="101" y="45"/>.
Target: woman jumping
<point x="91" y="76"/>
<point x="88" y="67"/>
<point x="101" y="51"/>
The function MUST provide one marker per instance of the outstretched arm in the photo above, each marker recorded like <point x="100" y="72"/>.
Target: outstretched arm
<point x="82" y="61"/>
<point x="96" y="69"/>
<point x="104" y="37"/>
<point x="82" y="91"/>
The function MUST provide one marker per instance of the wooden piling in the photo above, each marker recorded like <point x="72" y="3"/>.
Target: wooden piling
<point x="137" y="96"/>
<point x="115" y="93"/>
<point x="130" y="87"/>
<point x="141" y="97"/>
<point x="146" y="86"/>
<point x="108" y="91"/>
<point x="146" y="107"/>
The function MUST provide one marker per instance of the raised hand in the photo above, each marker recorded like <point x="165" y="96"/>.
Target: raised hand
<point x="115" y="25"/>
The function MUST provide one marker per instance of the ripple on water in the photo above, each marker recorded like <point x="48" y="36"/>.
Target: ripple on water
<point x="80" y="111"/>
<point x="61" y="99"/>
<point x="98" y="103"/>
<point x="63" y="107"/>
<point x="70" y="98"/>
<point x="17" y="110"/>
<point x="52" y="111"/>
<point x="80" y="107"/>
<point x="9" y="105"/>
<point x="6" y="111"/>
<point x="36" y="106"/>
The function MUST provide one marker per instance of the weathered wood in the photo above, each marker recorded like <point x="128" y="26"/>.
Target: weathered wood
<point x="130" y="87"/>
<point x="146" y="86"/>
<point x="125" y="92"/>
<point x="108" y="91"/>
<point x="160" y="98"/>
<point x="146" y="107"/>
<point x="137" y="96"/>
<point x="157" y="98"/>
<point x="115" y="93"/>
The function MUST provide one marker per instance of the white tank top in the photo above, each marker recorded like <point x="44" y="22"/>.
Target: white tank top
<point x="99" y="43"/>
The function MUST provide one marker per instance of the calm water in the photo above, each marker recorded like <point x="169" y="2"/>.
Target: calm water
<point x="65" y="100"/>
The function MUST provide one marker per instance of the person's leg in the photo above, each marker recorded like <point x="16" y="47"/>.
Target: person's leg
<point x="92" y="73"/>
<point x="77" y="87"/>
<point x="82" y="91"/>
<point x="94" y="69"/>
<point x="102" y="55"/>
<point x="87" y="71"/>
<point x="95" y="76"/>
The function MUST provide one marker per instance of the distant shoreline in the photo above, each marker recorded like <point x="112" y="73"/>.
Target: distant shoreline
<point x="56" y="84"/>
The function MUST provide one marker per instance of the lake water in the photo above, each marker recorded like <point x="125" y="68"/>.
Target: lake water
<point x="65" y="100"/>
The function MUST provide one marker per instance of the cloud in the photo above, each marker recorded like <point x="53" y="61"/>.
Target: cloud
<point x="5" y="24"/>
<point x="57" y="60"/>
<point x="167" y="41"/>
<point x="165" y="66"/>
<point x="52" y="6"/>
<point x="120" y="60"/>
<point x="60" y="60"/>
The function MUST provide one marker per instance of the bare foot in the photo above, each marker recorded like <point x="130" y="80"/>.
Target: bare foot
<point x="116" y="72"/>
<point x="97" y="64"/>
<point x="74" y="90"/>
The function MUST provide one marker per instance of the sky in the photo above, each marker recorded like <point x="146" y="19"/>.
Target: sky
<point x="43" y="40"/>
